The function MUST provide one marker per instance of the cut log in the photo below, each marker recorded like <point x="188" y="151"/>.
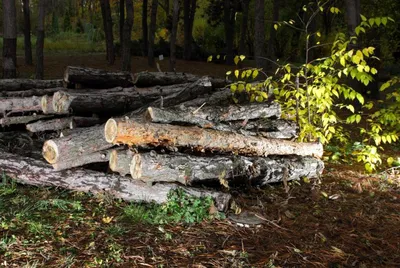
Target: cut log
<point x="269" y="128"/>
<point x="25" y="84"/>
<point x="30" y="92"/>
<point x="20" y="104"/>
<point x="222" y="97"/>
<point x="84" y="142"/>
<point x="46" y="104"/>
<point x="96" y="157"/>
<point x="62" y="123"/>
<point x="189" y="169"/>
<point x="80" y="103"/>
<point x="16" y="120"/>
<point x="130" y="132"/>
<point x="96" y="78"/>
<point x="120" y="161"/>
<point x="35" y="172"/>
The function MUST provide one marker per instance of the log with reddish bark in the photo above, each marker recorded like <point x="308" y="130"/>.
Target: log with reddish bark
<point x="150" y="79"/>
<point x="96" y="78"/>
<point x="26" y="84"/>
<point x="84" y="142"/>
<point x="130" y="132"/>
<point x="62" y="123"/>
<point x="17" y="120"/>
<point x="16" y="105"/>
<point x="84" y="159"/>
<point x="120" y="161"/>
<point x="189" y="169"/>
<point x="35" y="172"/>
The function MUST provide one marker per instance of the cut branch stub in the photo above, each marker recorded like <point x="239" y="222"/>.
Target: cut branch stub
<point x="130" y="132"/>
<point x="120" y="161"/>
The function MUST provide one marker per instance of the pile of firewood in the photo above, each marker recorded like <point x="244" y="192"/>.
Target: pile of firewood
<point x="159" y="131"/>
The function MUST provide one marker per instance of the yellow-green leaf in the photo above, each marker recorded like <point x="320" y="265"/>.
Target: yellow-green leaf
<point x="343" y="61"/>
<point x="371" y="21"/>
<point x="233" y="88"/>
<point x="209" y="58"/>
<point x="384" y="20"/>
<point x="237" y="73"/>
<point x="242" y="57"/>
<point x="378" y="21"/>
<point x="276" y="27"/>
<point x="363" y="17"/>
<point x="390" y="161"/>
<point x="255" y="73"/>
<point x="236" y="60"/>
<point x="374" y="71"/>
<point x="228" y="72"/>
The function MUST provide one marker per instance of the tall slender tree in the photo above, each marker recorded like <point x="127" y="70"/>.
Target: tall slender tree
<point x="145" y="30"/>
<point x="243" y="26"/>
<point x="126" y="47"/>
<point x="172" y="41"/>
<point x="9" y="39"/>
<point x="353" y="11"/>
<point x="271" y="53"/>
<point x="259" y="33"/>
<point x="229" y="24"/>
<point x="152" y="33"/>
<point x="121" y="21"/>
<point x="40" y="40"/>
<point x="189" y="10"/>
<point x="27" y="32"/>
<point x="108" y="25"/>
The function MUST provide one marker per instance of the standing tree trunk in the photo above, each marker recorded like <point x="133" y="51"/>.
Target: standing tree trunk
<point x="145" y="28"/>
<point x="189" y="10"/>
<point x="126" y="47"/>
<point x="153" y="24"/>
<point x="107" y="24"/>
<point x="40" y="41"/>
<point x="352" y="15"/>
<point x="259" y="34"/>
<point x="229" y="23"/>
<point x="172" y="41"/>
<point x="243" y="27"/>
<point x="121" y="21"/>
<point x="9" y="39"/>
<point x="27" y="33"/>
<point x="271" y="54"/>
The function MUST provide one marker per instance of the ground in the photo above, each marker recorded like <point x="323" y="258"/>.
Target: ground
<point x="343" y="219"/>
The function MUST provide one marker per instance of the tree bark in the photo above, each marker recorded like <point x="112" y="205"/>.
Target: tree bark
<point x="189" y="9"/>
<point x="271" y="53"/>
<point x="96" y="78"/>
<point x="153" y="25"/>
<point x="17" y="120"/>
<point x="130" y="132"/>
<point x="9" y="39"/>
<point x="121" y="21"/>
<point x="189" y="169"/>
<point x="126" y="47"/>
<point x="62" y="123"/>
<point x="174" y="31"/>
<point x="145" y="30"/>
<point x="20" y="104"/>
<point x="222" y="97"/>
<point x="352" y="15"/>
<point x="27" y="32"/>
<point x="259" y="34"/>
<point x="229" y="23"/>
<point x="270" y="128"/>
<point x="25" y="84"/>
<point x="37" y="173"/>
<point x="79" y="161"/>
<point x="243" y="27"/>
<point x="30" y="92"/>
<point x="84" y="142"/>
<point x="120" y="161"/>
<point x="107" y="24"/>
<point x="40" y="41"/>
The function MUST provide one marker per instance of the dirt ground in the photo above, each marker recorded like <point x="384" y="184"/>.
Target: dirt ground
<point x="345" y="219"/>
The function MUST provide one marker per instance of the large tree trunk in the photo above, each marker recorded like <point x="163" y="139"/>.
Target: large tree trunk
<point x="108" y="30"/>
<point x="20" y="120"/>
<point x="86" y="141"/>
<point x="189" y="9"/>
<point x="121" y="21"/>
<point x="9" y="39"/>
<point x="62" y="123"/>
<point x="126" y="47"/>
<point x="189" y="169"/>
<point x="243" y="27"/>
<point x="130" y="132"/>
<point x="26" y="84"/>
<point x="271" y="54"/>
<point x="96" y="78"/>
<point x="40" y="41"/>
<point x="174" y="31"/>
<point x="145" y="30"/>
<point x="353" y="18"/>
<point x="34" y="172"/>
<point x="259" y="34"/>
<point x="152" y="33"/>
<point x="27" y="32"/>
<point x="229" y="23"/>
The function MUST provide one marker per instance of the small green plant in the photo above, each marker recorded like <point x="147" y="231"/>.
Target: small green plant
<point x="7" y="186"/>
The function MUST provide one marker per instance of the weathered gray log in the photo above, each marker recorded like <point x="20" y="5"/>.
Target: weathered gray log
<point x="25" y="84"/>
<point x="269" y="128"/>
<point x="16" y="120"/>
<point x="35" y="172"/>
<point x="221" y="97"/>
<point x="96" y="78"/>
<point x="84" y="142"/>
<point x="96" y="157"/>
<point x="81" y="103"/>
<point x="30" y="92"/>
<point x="130" y="132"/>
<point x="189" y="169"/>
<point x="62" y="123"/>
<point x="46" y="104"/>
<point x="120" y="161"/>
<point x="20" y="104"/>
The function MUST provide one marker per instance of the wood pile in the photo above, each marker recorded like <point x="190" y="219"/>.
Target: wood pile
<point x="158" y="131"/>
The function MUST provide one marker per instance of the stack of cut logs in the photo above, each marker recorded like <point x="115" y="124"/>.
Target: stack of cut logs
<point x="159" y="131"/>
